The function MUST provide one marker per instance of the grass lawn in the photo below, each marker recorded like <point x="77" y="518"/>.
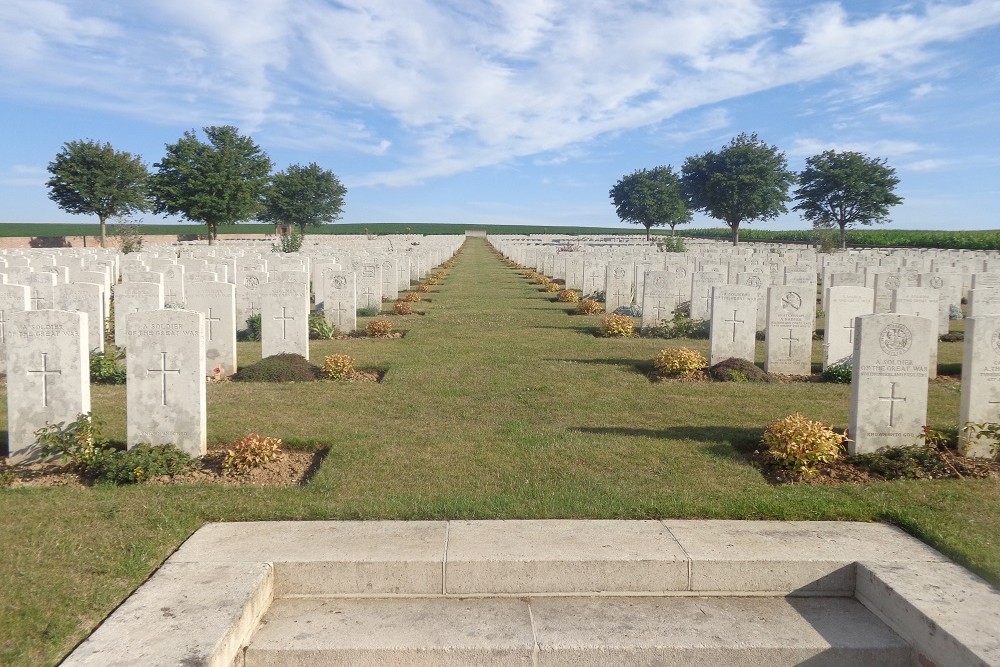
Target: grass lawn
<point x="496" y="404"/>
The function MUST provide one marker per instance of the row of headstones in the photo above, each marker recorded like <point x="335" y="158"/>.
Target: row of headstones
<point x="48" y="377"/>
<point x="892" y="355"/>
<point x="169" y="354"/>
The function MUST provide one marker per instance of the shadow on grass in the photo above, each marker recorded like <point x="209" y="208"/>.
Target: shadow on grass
<point x="643" y="366"/>
<point x="727" y="442"/>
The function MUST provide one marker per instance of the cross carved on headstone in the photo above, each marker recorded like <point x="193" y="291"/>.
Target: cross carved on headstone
<point x="340" y="310"/>
<point x="369" y="295"/>
<point x="3" y="321"/>
<point x="850" y="326"/>
<point x="35" y="299"/>
<point x="891" y="399"/>
<point x="253" y="308"/>
<point x="162" y="371"/>
<point x="790" y="341"/>
<point x="211" y="320"/>
<point x="284" y="322"/>
<point x="734" y="322"/>
<point x="45" y="372"/>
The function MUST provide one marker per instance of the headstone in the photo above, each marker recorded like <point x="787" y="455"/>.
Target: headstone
<point x="173" y="286"/>
<point x="42" y="285"/>
<point x="733" y="331"/>
<point x="133" y="298"/>
<point x="165" y="371"/>
<point x="949" y="286"/>
<point x="48" y="375"/>
<point x="13" y="299"/>
<point x="340" y="300"/>
<point x="980" y="400"/>
<point x="984" y="301"/>
<point x="248" y="296"/>
<point x="618" y="286"/>
<point x="390" y="278"/>
<point x="702" y="283"/>
<point x="217" y="302"/>
<point x="285" y="319"/>
<point x="888" y="382"/>
<point x="369" y="285"/>
<point x="658" y="299"/>
<point x="791" y="317"/>
<point x="843" y="306"/>
<point x="922" y="302"/>
<point x="85" y="298"/>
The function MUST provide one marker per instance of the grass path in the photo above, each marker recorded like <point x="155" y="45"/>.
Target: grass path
<point x="496" y="404"/>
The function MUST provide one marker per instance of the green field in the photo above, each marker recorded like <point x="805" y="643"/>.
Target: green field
<point x="497" y="404"/>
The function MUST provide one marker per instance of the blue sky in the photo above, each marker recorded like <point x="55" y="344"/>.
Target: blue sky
<point x="511" y="111"/>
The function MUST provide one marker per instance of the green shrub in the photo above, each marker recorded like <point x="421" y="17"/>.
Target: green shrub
<point x="988" y="430"/>
<point x="671" y="244"/>
<point x="290" y="242"/>
<point x="369" y="311"/>
<point x="284" y="367"/>
<point x="320" y="328"/>
<point x="140" y="463"/>
<point x="801" y="444"/>
<point x="250" y="451"/>
<point x="838" y="373"/>
<point x="80" y="444"/>
<point x="952" y="337"/>
<point x="252" y="332"/>
<point x="738" y="370"/>
<point x="681" y="362"/>
<point x="923" y="462"/>
<point x="680" y="326"/>
<point x="105" y="369"/>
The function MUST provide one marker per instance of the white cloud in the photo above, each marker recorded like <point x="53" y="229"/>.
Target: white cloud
<point x="457" y="84"/>
<point x="882" y="148"/>
<point x="20" y="175"/>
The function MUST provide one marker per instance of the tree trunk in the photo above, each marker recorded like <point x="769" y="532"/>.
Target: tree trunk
<point x="211" y="233"/>
<point x="736" y="232"/>
<point x="103" y="219"/>
<point x="843" y="237"/>
<point x="649" y="236"/>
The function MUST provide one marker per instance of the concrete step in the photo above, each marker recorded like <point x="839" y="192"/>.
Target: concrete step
<point x="572" y="630"/>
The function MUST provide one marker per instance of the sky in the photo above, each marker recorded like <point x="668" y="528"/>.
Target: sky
<point x="511" y="111"/>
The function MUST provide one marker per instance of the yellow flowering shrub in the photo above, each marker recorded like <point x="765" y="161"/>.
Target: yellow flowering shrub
<point x="379" y="328"/>
<point x="617" y="326"/>
<point x="679" y="362"/>
<point x="423" y="287"/>
<point x="412" y="297"/>
<point x="568" y="296"/>
<point x="402" y="308"/>
<point x="589" y="307"/>
<point x="251" y="451"/>
<point x="797" y="443"/>
<point x="338" y="366"/>
<point x="552" y="286"/>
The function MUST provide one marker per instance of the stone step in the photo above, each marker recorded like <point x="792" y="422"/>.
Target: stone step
<point x="573" y="630"/>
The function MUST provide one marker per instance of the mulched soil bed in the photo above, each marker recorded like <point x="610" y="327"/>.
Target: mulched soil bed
<point x="292" y="468"/>
<point x="953" y="466"/>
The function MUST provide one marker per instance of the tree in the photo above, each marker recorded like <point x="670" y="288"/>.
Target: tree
<point x="303" y="196"/>
<point x="846" y="189"/>
<point x="746" y="180"/>
<point x="651" y="198"/>
<point x="217" y="183"/>
<point x="90" y="178"/>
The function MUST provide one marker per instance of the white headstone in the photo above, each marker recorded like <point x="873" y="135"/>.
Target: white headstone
<point x="889" y="382"/>
<point x="733" y="331"/>
<point x="133" y="298"/>
<point x="980" y="402"/>
<point x="85" y="298"/>
<point x="165" y="371"/>
<point x="791" y="318"/>
<point x="285" y="319"/>
<point x="13" y="299"/>
<point x="217" y="302"/>
<point x="843" y="305"/>
<point x="340" y="300"/>
<point x="48" y="375"/>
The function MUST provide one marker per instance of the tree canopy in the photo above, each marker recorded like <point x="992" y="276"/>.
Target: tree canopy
<point x="303" y="196"/>
<point x="218" y="183"/>
<point x="843" y="189"/>
<point x="746" y="180"/>
<point x="90" y="178"/>
<point x="651" y="198"/>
